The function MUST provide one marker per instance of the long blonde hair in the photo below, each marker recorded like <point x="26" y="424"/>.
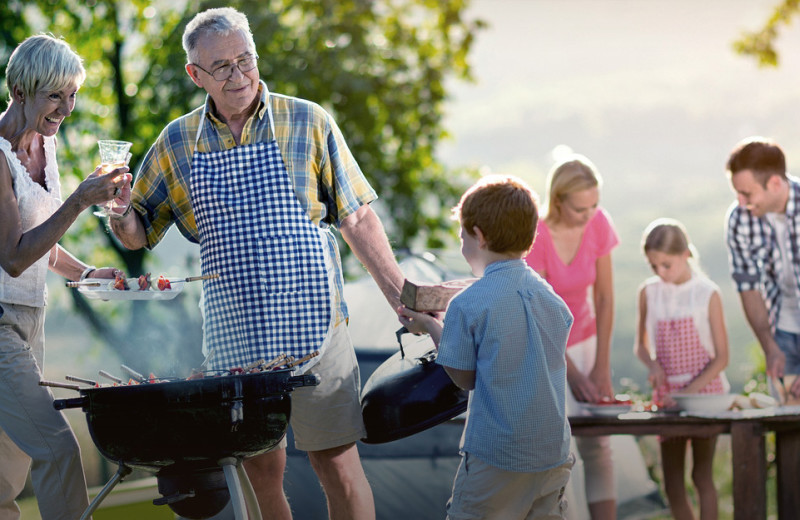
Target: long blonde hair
<point x="572" y="174"/>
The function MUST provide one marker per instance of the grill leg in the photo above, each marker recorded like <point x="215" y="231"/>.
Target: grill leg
<point x="249" y="493"/>
<point x="122" y="472"/>
<point x="229" y="466"/>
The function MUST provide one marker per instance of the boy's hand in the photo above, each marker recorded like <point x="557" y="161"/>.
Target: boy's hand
<point x="418" y="322"/>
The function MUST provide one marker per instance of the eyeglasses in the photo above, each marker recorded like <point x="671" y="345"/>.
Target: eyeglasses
<point x="224" y="72"/>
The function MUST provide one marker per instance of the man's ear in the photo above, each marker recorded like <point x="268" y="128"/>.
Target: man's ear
<point x="191" y="70"/>
<point x="774" y="183"/>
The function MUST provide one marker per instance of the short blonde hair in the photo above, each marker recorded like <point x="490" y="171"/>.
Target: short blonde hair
<point x="572" y="174"/>
<point x="43" y="62"/>
<point x="504" y="208"/>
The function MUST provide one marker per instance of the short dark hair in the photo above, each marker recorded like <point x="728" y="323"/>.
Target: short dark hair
<point x="760" y="155"/>
<point x="504" y="208"/>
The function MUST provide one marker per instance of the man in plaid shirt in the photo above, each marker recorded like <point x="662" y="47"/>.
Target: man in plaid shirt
<point x="258" y="180"/>
<point x="764" y="251"/>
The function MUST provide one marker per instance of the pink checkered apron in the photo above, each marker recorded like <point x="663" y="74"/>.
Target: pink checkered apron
<point x="681" y="354"/>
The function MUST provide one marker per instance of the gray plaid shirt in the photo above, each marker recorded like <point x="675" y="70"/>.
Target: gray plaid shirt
<point x="754" y="256"/>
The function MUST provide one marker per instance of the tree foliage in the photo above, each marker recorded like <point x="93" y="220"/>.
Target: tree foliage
<point x="379" y="67"/>
<point x="761" y="44"/>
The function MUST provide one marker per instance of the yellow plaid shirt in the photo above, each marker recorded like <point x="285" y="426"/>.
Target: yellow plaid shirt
<point x="327" y="180"/>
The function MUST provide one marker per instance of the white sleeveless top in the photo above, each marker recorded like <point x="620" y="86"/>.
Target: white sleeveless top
<point x="35" y="206"/>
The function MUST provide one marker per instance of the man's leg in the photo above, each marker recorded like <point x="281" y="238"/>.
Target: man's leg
<point x="265" y="472"/>
<point x="346" y="488"/>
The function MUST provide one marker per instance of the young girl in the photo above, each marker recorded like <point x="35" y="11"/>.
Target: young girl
<point x="681" y="339"/>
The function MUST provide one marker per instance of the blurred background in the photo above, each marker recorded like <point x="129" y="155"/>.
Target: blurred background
<point x="429" y="96"/>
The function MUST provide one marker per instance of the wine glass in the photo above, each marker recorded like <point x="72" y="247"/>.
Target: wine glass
<point x="113" y="155"/>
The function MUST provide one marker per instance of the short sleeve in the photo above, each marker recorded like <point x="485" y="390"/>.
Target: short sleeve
<point x="457" y="347"/>
<point x="606" y="238"/>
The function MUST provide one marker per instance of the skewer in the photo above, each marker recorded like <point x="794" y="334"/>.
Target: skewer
<point x="81" y="380"/>
<point x="253" y="365"/>
<point x="56" y="384"/>
<point x="303" y="359"/>
<point x="92" y="283"/>
<point x="86" y="284"/>
<point x="272" y="363"/>
<point x="109" y="376"/>
<point x="282" y="362"/>
<point x="133" y="373"/>
<point x="195" y="278"/>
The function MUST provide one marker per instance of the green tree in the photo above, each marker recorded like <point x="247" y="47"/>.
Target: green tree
<point x="379" y="67"/>
<point x="760" y="44"/>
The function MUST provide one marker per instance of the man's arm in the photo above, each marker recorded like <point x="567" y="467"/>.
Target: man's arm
<point x="130" y="230"/>
<point x="364" y="233"/>
<point x="756" y="313"/>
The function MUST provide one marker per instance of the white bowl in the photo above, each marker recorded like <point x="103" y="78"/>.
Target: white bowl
<point x="703" y="402"/>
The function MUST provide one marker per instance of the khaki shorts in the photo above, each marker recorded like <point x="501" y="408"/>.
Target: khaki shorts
<point x="481" y="490"/>
<point x="329" y="415"/>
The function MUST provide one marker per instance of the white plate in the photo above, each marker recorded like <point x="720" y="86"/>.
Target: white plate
<point x="607" y="410"/>
<point x="107" y="292"/>
<point x="703" y="402"/>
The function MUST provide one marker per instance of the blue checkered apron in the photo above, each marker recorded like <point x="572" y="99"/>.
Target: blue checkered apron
<point x="273" y="294"/>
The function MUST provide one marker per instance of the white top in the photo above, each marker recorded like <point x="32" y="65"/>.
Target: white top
<point x="35" y="206"/>
<point x="668" y="301"/>
<point x="789" y="317"/>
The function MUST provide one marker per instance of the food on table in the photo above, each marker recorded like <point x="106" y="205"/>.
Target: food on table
<point x="753" y="400"/>
<point x="617" y="400"/>
<point x="163" y="283"/>
<point x="144" y="282"/>
<point x="120" y="283"/>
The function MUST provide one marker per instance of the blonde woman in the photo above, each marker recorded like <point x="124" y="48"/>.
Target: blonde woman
<point x="43" y="76"/>
<point x="572" y="252"/>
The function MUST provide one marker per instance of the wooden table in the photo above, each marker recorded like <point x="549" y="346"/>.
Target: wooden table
<point x="747" y="430"/>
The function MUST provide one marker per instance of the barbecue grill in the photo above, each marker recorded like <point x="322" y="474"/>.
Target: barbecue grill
<point x="192" y="433"/>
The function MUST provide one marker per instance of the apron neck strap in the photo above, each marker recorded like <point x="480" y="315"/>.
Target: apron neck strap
<point x="204" y="119"/>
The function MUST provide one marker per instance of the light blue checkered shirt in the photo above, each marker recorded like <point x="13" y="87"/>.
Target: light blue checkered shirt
<point x="511" y="329"/>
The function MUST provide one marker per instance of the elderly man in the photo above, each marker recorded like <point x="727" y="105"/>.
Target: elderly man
<point x="763" y="236"/>
<point x="258" y="180"/>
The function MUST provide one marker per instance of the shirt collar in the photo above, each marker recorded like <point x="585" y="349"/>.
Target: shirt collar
<point x="209" y="110"/>
<point x="502" y="265"/>
<point x="794" y="188"/>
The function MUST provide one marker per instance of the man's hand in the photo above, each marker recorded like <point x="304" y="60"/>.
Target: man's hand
<point x="776" y="363"/>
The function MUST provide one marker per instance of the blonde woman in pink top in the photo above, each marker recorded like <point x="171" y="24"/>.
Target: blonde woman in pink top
<point x="572" y="252"/>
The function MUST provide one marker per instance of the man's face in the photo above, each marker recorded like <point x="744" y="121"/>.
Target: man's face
<point x="235" y="95"/>
<point x="758" y="199"/>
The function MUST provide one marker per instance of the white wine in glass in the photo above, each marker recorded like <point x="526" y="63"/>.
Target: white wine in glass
<point x="113" y="155"/>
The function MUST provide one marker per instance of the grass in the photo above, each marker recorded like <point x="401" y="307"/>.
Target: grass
<point x="128" y="501"/>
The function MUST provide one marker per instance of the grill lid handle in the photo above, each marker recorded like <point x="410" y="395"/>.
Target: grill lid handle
<point x="75" y="402"/>
<point x="304" y="380"/>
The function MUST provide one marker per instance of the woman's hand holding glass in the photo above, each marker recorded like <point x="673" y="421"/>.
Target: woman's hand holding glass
<point x="99" y="188"/>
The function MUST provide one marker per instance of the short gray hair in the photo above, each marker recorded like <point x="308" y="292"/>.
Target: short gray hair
<point x="220" y="21"/>
<point x="43" y="62"/>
